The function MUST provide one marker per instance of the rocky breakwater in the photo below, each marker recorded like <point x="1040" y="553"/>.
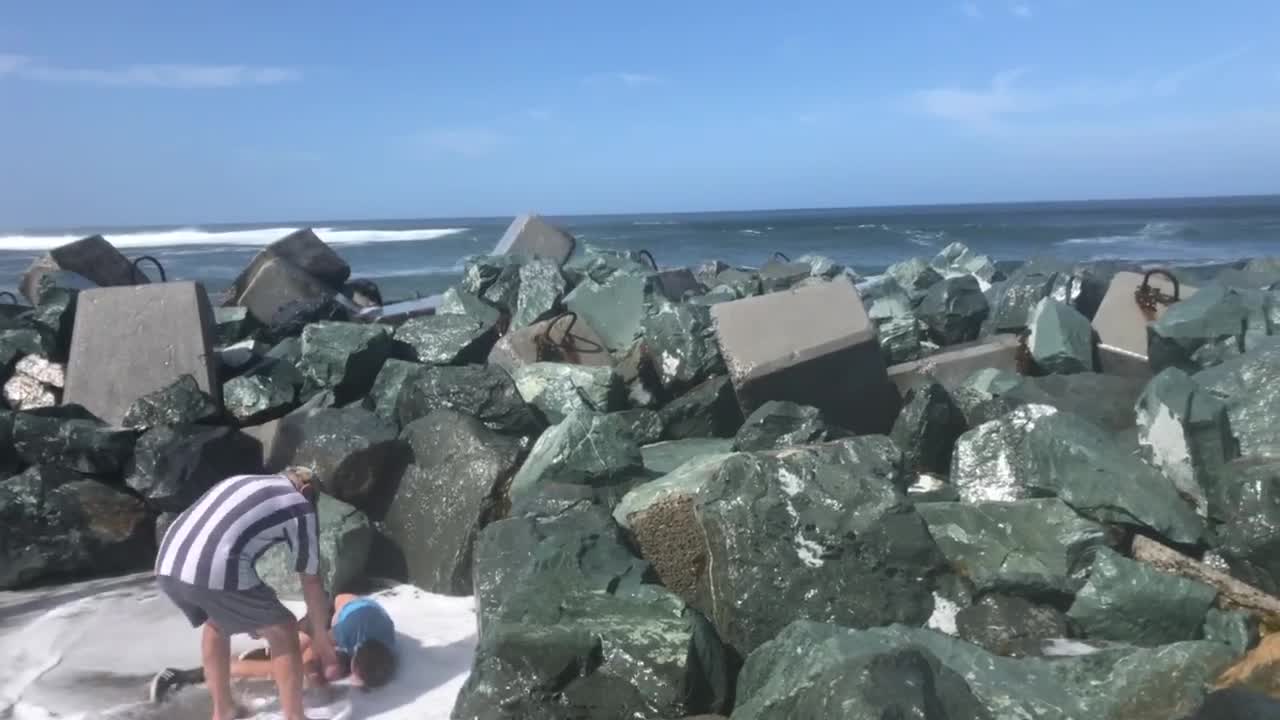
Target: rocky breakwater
<point x="772" y="492"/>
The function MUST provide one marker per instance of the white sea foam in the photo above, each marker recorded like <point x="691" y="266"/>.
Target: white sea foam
<point x="1164" y="233"/>
<point x="196" y="236"/>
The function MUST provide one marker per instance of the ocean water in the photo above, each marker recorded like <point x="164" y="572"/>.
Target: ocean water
<point x="423" y="256"/>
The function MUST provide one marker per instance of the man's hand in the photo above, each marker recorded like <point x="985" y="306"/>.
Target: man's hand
<point x="318" y="611"/>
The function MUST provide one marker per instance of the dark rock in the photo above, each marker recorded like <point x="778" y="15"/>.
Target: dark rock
<point x="92" y="258"/>
<point x="446" y="339"/>
<point x="485" y="393"/>
<point x="343" y="357"/>
<point x="1038" y="451"/>
<point x="927" y="428"/>
<point x="1060" y="338"/>
<point x="54" y="524"/>
<point x="665" y="457"/>
<point x="885" y="299"/>
<point x="293" y="317"/>
<point x="638" y="654"/>
<point x="18" y="343"/>
<point x="460" y="302"/>
<point x="681" y="343"/>
<point x="232" y="324"/>
<point x="266" y="394"/>
<point x="1105" y="400"/>
<point x="1211" y="326"/>
<point x="708" y="410"/>
<point x="10" y="463"/>
<point x="958" y="259"/>
<point x="902" y="339"/>
<point x="1185" y="433"/>
<point x="542" y="286"/>
<point x="280" y="294"/>
<point x="55" y="313"/>
<point x="1122" y="683"/>
<point x="642" y="424"/>
<point x="345" y="539"/>
<point x="85" y="445"/>
<point x="1248" y="504"/>
<point x="954" y="309"/>
<point x="586" y="448"/>
<point x="504" y="292"/>
<point x="234" y="358"/>
<point x="776" y="276"/>
<point x="1015" y="299"/>
<point x="776" y="425"/>
<point x="172" y="467"/>
<point x="480" y="273"/>
<point x="1132" y="602"/>
<point x="615" y="309"/>
<point x="181" y="403"/>
<point x="639" y="376"/>
<point x="385" y="394"/>
<point x="1038" y="548"/>
<point x="915" y="276"/>
<point x="1250" y="386"/>
<point x="356" y="454"/>
<point x="1237" y="704"/>
<point x="557" y="389"/>
<point x="454" y="488"/>
<point x="363" y="293"/>
<point x="1010" y="626"/>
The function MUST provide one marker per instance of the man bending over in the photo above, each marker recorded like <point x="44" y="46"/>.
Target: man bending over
<point x="205" y="566"/>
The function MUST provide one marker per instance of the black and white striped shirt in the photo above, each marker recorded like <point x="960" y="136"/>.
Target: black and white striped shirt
<point x="215" y="543"/>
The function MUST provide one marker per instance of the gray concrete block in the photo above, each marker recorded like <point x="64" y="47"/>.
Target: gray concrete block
<point x="1121" y="325"/>
<point x="93" y="258"/>
<point x="306" y="251"/>
<point x="276" y="283"/>
<point x="952" y="366"/>
<point x="531" y="236"/>
<point x="812" y="345"/>
<point x="572" y="340"/>
<point x="131" y="341"/>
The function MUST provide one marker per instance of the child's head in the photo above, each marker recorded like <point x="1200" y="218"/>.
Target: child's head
<point x="373" y="664"/>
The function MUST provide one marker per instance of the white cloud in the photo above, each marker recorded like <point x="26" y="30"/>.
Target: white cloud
<point x="1020" y="9"/>
<point x="971" y="9"/>
<point x="468" y="141"/>
<point x="630" y="79"/>
<point x="170" y="76"/>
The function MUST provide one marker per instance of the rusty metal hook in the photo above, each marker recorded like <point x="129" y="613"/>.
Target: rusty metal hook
<point x="652" y="263"/>
<point x="138" y="271"/>
<point x="1149" y="298"/>
<point x="6" y="292"/>
<point x="783" y="257"/>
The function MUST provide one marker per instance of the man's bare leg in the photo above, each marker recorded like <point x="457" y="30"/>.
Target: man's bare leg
<point x="286" y="667"/>
<point x="262" y="669"/>
<point x="215" y="653"/>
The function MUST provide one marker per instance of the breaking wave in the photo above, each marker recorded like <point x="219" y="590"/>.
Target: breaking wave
<point x="252" y="237"/>
<point x="1157" y="231"/>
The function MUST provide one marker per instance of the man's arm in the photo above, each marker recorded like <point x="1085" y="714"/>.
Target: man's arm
<point x="307" y="563"/>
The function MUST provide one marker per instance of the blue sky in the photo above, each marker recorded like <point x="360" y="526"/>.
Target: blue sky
<point x="162" y="112"/>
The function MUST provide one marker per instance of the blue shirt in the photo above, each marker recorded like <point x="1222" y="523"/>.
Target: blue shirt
<point x="361" y="620"/>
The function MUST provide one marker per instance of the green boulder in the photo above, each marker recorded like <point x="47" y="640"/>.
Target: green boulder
<point x="1132" y="602"/>
<point x="953" y="310"/>
<point x="233" y="323"/>
<point x="1013" y="300"/>
<point x="1010" y="625"/>
<point x="446" y="339"/>
<point x="356" y="454"/>
<point x="586" y="448"/>
<point x="456" y="301"/>
<point x="542" y="287"/>
<point x="485" y="393"/>
<point x="1236" y="629"/>
<point x="777" y="275"/>
<point x="738" y="283"/>
<point x="267" y="393"/>
<point x="179" y="403"/>
<point x="1038" y="548"/>
<point x="642" y="424"/>
<point x="915" y="276"/>
<point x="52" y="436"/>
<point x="344" y="357"/>
<point x="1037" y="451"/>
<point x="1250" y="386"/>
<point x="171" y="467"/>
<point x="345" y="539"/>
<point x="1060" y="338"/>
<point x="709" y="410"/>
<point x="557" y="389"/>
<point x="616" y="309"/>
<point x="958" y="259"/>
<point x="385" y="393"/>
<point x="927" y="428"/>
<point x="481" y="272"/>
<point x="665" y="457"/>
<point x="681" y="343"/>
<point x="55" y="313"/>
<point x="17" y="343"/>
<point x="1213" y="325"/>
<point x="903" y="339"/>
<point x="779" y="424"/>
<point x="1247" y="504"/>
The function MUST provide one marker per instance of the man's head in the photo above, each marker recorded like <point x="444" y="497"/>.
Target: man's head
<point x="373" y="664"/>
<point x="305" y="480"/>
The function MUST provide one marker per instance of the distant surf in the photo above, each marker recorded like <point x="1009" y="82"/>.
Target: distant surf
<point x="255" y="237"/>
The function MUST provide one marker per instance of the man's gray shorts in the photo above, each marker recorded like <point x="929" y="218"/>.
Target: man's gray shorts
<point x="233" y="611"/>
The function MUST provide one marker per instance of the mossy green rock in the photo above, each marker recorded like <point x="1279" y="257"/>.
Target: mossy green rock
<point x="485" y="393"/>
<point x="542" y="287"/>
<point x="1132" y="602"/>
<point x="1121" y="683"/>
<point x="557" y="389"/>
<point x="55" y="524"/>
<point x="1037" y="451"/>
<point x="179" y="403"/>
<point x="1061" y="339"/>
<point x="953" y="310"/>
<point x="778" y="424"/>
<point x="345" y="539"/>
<point x="586" y="448"/>
<point x="1185" y="432"/>
<point x="446" y="339"/>
<point x="343" y="357"/>
<point x="1035" y="547"/>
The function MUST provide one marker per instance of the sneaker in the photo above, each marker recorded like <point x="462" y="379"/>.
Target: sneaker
<point x="165" y="683"/>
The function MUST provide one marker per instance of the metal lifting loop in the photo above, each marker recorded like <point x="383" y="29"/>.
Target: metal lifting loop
<point x="549" y="349"/>
<point x="3" y="293"/>
<point x="1149" y="298"/>
<point x="646" y="254"/>
<point x="781" y="256"/>
<point x="137" y="271"/>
